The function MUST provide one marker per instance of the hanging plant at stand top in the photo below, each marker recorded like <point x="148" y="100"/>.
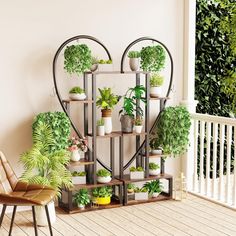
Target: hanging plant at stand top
<point x="78" y="59"/>
<point x="153" y="58"/>
<point x="172" y="130"/>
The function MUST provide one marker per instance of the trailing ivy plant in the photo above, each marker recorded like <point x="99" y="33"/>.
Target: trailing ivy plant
<point x="153" y="58"/>
<point x="60" y="126"/>
<point x="172" y="130"/>
<point x="77" y="59"/>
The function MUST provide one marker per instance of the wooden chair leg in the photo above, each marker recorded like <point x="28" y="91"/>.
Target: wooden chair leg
<point x="3" y="213"/>
<point x="12" y="220"/>
<point x="35" y="222"/>
<point x="49" y="222"/>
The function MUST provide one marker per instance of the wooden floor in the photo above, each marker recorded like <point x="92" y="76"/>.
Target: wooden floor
<point x="193" y="216"/>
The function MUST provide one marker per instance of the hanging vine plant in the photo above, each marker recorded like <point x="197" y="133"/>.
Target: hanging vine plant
<point x="77" y="59"/>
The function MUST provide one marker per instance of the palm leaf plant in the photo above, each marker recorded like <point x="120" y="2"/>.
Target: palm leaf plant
<point x="43" y="166"/>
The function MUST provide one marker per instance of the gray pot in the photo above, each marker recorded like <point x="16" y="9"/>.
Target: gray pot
<point x="126" y="124"/>
<point x="134" y="64"/>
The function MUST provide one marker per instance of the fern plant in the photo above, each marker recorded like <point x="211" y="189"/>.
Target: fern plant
<point x="43" y="166"/>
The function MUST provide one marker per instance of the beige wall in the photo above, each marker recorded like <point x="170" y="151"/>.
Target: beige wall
<point x="31" y="32"/>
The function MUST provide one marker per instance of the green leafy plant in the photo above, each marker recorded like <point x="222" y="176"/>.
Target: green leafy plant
<point x="138" y="121"/>
<point x="156" y="80"/>
<point x="103" y="173"/>
<point x="100" y="122"/>
<point x="60" y="128"/>
<point x="81" y="173"/>
<point x="81" y="197"/>
<point x="102" y="191"/>
<point x="43" y="166"/>
<point x="130" y="101"/>
<point x="140" y="190"/>
<point x="154" y="144"/>
<point x="107" y="99"/>
<point x="172" y="130"/>
<point x="155" y="186"/>
<point x="77" y="59"/>
<point x="105" y="61"/>
<point x="133" y="169"/>
<point x="131" y="186"/>
<point x="134" y="54"/>
<point x="153" y="58"/>
<point x="153" y="166"/>
<point x="76" y="90"/>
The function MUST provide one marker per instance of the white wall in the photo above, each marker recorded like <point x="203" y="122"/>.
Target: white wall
<point x="31" y="32"/>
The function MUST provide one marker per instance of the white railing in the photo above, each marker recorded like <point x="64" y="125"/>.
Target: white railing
<point x="214" y="151"/>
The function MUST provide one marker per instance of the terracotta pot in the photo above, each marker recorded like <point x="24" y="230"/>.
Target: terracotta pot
<point x="126" y="124"/>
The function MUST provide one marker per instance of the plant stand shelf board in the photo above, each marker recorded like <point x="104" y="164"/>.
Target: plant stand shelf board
<point x="159" y="98"/>
<point x="118" y="134"/>
<point x="77" y="101"/>
<point x="81" y="162"/>
<point x="158" y="155"/>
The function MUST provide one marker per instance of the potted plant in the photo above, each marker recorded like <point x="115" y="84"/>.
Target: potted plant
<point x="130" y="188"/>
<point x="155" y="147"/>
<point x="103" y="176"/>
<point x="153" y="168"/>
<point x="94" y="64"/>
<point x="134" y="60"/>
<point x="77" y="59"/>
<point x="77" y="93"/>
<point x="154" y="187"/>
<point x="156" y="81"/>
<point x="79" y="177"/>
<point x="77" y="145"/>
<point x="102" y="195"/>
<point x="100" y="127"/>
<point x="46" y="167"/>
<point x="81" y="198"/>
<point x="105" y="65"/>
<point x="106" y="102"/>
<point x="152" y="58"/>
<point x="141" y="194"/>
<point x="136" y="173"/>
<point x="131" y="106"/>
<point x="138" y="125"/>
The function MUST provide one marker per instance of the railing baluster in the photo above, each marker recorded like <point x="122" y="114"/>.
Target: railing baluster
<point x="208" y="157"/>
<point x="195" y="178"/>
<point x="221" y="182"/>
<point x="202" y="135"/>
<point x="234" y="187"/>
<point x="215" y="139"/>
<point x="228" y="165"/>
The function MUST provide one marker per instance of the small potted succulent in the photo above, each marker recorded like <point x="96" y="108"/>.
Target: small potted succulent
<point x="77" y="145"/>
<point x="155" y="147"/>
<point x="153" y="168"/>
<point x="94" y="64"/>
<point x="106" y="102"/>
<point x="136" y="173"/>
<point x="105" y="65"/>
<point x="102" y="195"/>
<point x="154" y="187"/>
<point x="156" y="81"/>
<point x="130" y="188"/>
<point x="141" y="193"/>
<point x="100" y="127"/>
<point x="103" y="176"/>
<point x="81" y="198"/>
<point x="77" y="93"/>
<point x="138" y="124"/>
<point x="79" y="177"/>
<point x="134" y="60"/>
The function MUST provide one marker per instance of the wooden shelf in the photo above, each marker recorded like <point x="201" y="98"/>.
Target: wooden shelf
<point x="118" y="134"/>
<point x="159" y="98"/>
<point x="126" y="179"/>
<point x="158" y="155"/>
<point x="79" y="101"/>
<point x="97" y="72"/>
<point x="81" y="162"/>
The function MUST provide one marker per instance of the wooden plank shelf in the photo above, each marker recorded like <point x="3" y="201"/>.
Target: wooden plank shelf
<point x="158" y="155"/>
<point x="81" y="162"/>
<point x="97" y="72"/>
<point x="118" y="134"/>
<point x="78" y="101"/>
<point x="159" y="98"/>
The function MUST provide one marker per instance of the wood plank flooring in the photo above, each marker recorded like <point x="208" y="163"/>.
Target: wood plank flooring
<point x="193" y="216"/>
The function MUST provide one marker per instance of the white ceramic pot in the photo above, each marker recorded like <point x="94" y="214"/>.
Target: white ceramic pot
<point x="41" y="216"/>
<point x="153" y="172"/>
<point x="155" y="194"/>
<point x="134" y="64"/>
<point x="77" y="96"/>
<point x="156" y="151"/>
<point x="137" y="175"/>
<point x="81" y="206"/>
<point x="138" y="129"/>
<point x="94" y="67"/>
<point x="156" y="92"/>
<point x="104" y="180"/>
<point x="107" y="124"/>
<point x="75" y="155"/>
<point x="101" y="130"/>
<point x="78" y="179"/>
<point x="141" y="196"/>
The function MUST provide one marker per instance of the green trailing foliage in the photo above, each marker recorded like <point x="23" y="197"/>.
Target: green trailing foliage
<point x="60" y="128"/>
